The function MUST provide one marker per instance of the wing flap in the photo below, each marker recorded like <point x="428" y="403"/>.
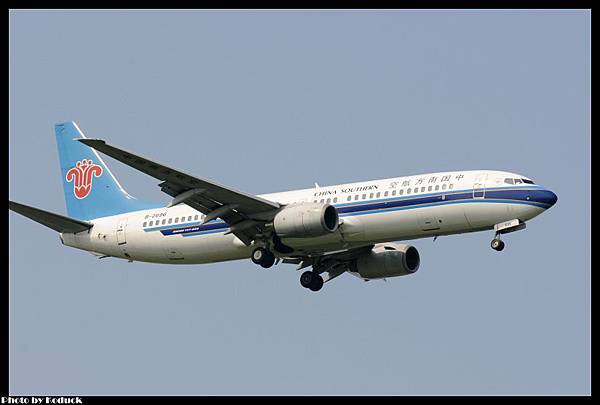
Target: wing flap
<point x="54" y="221"/>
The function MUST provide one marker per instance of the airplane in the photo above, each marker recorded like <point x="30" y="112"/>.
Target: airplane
<point x="347" y="228"/>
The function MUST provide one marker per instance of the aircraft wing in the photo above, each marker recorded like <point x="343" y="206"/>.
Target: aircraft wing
<point x="54" y="221"/>
<point x="245" y="213"/>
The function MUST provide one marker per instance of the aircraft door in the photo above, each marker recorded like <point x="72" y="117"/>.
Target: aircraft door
<point x="479" y="186"/>
<point x="122" y="236"/>
<point x="478" y="215"/>
<point x="121" y="232"/>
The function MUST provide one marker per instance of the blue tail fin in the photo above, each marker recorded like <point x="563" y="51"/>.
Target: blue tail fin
<point x="91" y="190"/>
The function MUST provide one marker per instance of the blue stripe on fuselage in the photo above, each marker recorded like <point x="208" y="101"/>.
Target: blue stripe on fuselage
<point x="534" y="196"/>
<point x="533" y="187"/>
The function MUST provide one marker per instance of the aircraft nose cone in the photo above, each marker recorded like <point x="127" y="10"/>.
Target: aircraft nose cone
<point x="549" y="197"/>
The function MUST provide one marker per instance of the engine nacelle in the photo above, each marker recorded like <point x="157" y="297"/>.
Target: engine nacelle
<point x="306" y="220"/>
<point x="387" y="260"/>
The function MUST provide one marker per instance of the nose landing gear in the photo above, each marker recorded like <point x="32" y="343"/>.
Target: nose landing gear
<point x="496" y="243"/>
<point x="263" y="257"/>
<point x="506" y="227"/>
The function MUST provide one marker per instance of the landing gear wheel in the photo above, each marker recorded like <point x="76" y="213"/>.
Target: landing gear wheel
<point x="269" y="260"/>
<point x="258" y="255"/>
<point x="317" y="283"/>
<point x="311" y="280"/>
<point x="497" y="244"/>
<point x="263" y="257"/>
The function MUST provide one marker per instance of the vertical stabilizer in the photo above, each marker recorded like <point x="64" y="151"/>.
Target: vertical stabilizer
<point x="91" y="190"/>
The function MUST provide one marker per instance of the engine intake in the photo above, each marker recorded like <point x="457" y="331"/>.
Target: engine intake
<point x="306" y="220"/>
<point x="387" y="260"/>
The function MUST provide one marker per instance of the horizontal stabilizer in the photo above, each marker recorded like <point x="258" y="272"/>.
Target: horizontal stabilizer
<point x="57" y="222"/>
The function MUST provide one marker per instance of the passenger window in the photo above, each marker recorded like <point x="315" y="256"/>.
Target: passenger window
<point x="509" y="181"/>
<point x="190" y="218"/>
<point x="416" y="190"/>
<point x="437" y="187"/>
<point x="370" y="195"/>
<point x="195" y="217"/>
<point x="378" y="195"/>
<point x="315" y="201"/>
<point x="177" y="220"/>
<point x="394" y="192"/>
<point x="451" y="186"/>
<point x="328" y="200"/>
<point x="349" y="198"/>
<point x="401" y="191"/>
<point x="322" y="201"/>
<point x="151" y="223"/>
<point x="170" y="220"/>
<point x="335" y="200"/>
<point x="408" y="191"/>
<point x="356" y="197"/>
<point x="364" y="196"/>
<point x="443" y="186"/>
<point x="422" y="189"/>
<point x="385" y="194"/>
<point x="429" y="189"/>
<point x="164" y="221"/>
<point x="144" y="225"/>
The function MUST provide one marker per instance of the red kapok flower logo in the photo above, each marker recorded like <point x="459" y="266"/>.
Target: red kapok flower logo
<point x="82" y="174"/>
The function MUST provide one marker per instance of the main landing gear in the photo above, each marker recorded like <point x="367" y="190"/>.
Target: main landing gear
<point x="263" y="257"/>
<point x="496" y="243"/>
<point x="311" y="280"/>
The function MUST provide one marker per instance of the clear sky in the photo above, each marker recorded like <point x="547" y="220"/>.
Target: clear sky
<point x="270" y="101"/>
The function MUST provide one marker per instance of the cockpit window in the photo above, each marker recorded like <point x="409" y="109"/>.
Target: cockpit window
<point x="518" y="181"/>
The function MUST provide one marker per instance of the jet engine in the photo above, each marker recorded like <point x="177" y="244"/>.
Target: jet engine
<point x="305" y="220"/>
<point x="387" y="260"/>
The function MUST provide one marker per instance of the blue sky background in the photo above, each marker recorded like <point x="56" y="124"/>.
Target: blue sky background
<point x="270" y="101"/>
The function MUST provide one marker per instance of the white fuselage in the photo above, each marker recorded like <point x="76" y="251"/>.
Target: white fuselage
<point x="370" y="212"/>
